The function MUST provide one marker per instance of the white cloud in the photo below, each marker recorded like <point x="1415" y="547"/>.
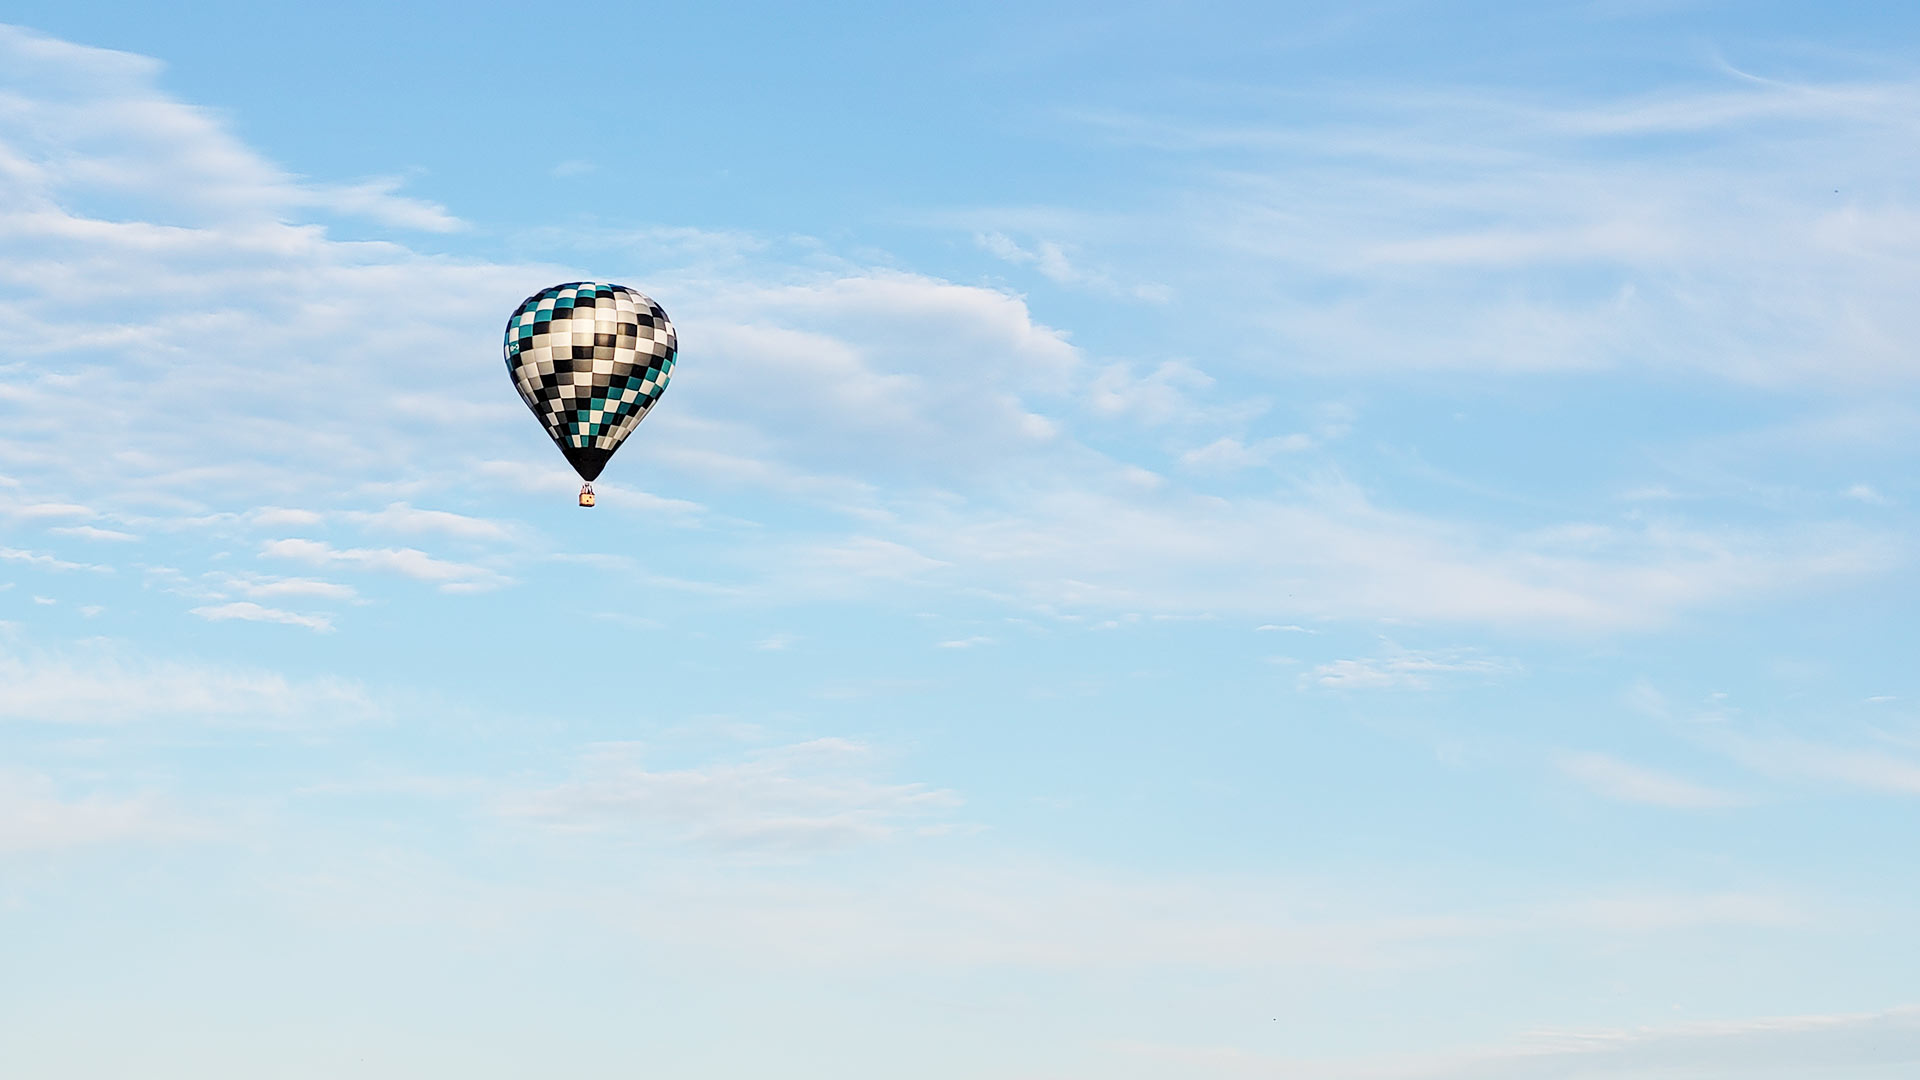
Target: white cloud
<point x="1227" y="452"/>
<point x="1799" y="759"/>
<point x="1622" y="781"/>
<point x="89" y="532"/>
<point x="870" y="557"/>
<point x="123" y="136"/>
<point x="377" y="200"/>
<point x="1332" y="553"/>
<point x="204" y="267"/>
<point x="48" y="562"/>
<point x="1404" y="670"/>
<point x="53" y="510"/>
<point x="1164" y="395"/>
<point x="35" y="819"/>
<point x="273" y="516"/>
<point x="408" y="562"/>
<point x="249" y="611"/>
<point x="1750" y="100"/>
<point x="402" y="518"/>
<point x="106" y="686"/>
<point x="1643" y="697"/>
<point x="1880" y="1045"/>
<point x="1052" y="261"/>
<point x="844" y="383"/>
<point x="261" y="588"/>
<point x="1468" y="232"/>
<point x="795" y="799"/>
<point x="1032" y="918"/>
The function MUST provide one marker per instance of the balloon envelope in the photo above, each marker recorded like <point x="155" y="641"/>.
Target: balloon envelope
<point x="590" y="359"/>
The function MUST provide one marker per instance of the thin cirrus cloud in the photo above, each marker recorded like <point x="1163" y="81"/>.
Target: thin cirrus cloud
<point x="406" y="562"/>
<point x="89" y="532"/>
<point x="44" y="561"/>
<point x="1108" y="544"/>
<point x="1227" y="452"/>
<point x="801" y="798"/>
<point x="402" y="518"/>
<point x="1477" y="233"/>
<point x="53" y="510"/>
<point x="1053" y="262"/>
<point x="1626" y="782"/>
<point x="36" y="819"/>
<point x="110" y="686"/>
<point x="1882" y="1045"/>
<point x="261" y="587"/>
<point x="1014" y="915"/>
<point x="248" y="611"/>
<point x="1879" y="770"/>
<point x="129" y="138"/>
<point x="1405" y="670"/>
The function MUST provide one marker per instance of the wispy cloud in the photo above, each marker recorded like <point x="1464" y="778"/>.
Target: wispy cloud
<point x="48" y="562"/>
<point x="89" y="532"/>
<point x="33" y="511"/>
<point x="101" y="685"/>
<point x="1228" y="452"/>
<point x="1623" y="781"/>
<point x="1478" y="232"/>
<point x="401" y="518"/>
<point x="1868" y="1044"/>
<point x="35" y="819"/>
<point x="1054" y="264"/>
<point x="377" y="200"/>
<point x="314" y="588"/>
<point x="248" y="611"/>
<point x="1405" y="670"/>
<point x="407" y="562"/>
<point x="872" y="557"/>
<point x="1875" y="769"/>
<point x="802" y="798"/>
<point x="276" y="516"/>
<point x="135" y="137"/>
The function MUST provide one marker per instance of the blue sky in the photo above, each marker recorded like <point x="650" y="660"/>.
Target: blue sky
<point x="1362" y="541"/>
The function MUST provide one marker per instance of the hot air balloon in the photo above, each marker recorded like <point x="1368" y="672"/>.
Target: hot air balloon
<point x="589" y="359"/>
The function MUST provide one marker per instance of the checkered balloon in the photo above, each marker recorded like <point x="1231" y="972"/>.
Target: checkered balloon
<point x="589" y="359"/>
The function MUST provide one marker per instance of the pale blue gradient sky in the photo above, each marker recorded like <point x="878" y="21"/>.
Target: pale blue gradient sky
<point x="1362" y="541"/>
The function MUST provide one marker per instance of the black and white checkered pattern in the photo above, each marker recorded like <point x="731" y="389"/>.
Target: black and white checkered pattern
<point x="589" y="359"/>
